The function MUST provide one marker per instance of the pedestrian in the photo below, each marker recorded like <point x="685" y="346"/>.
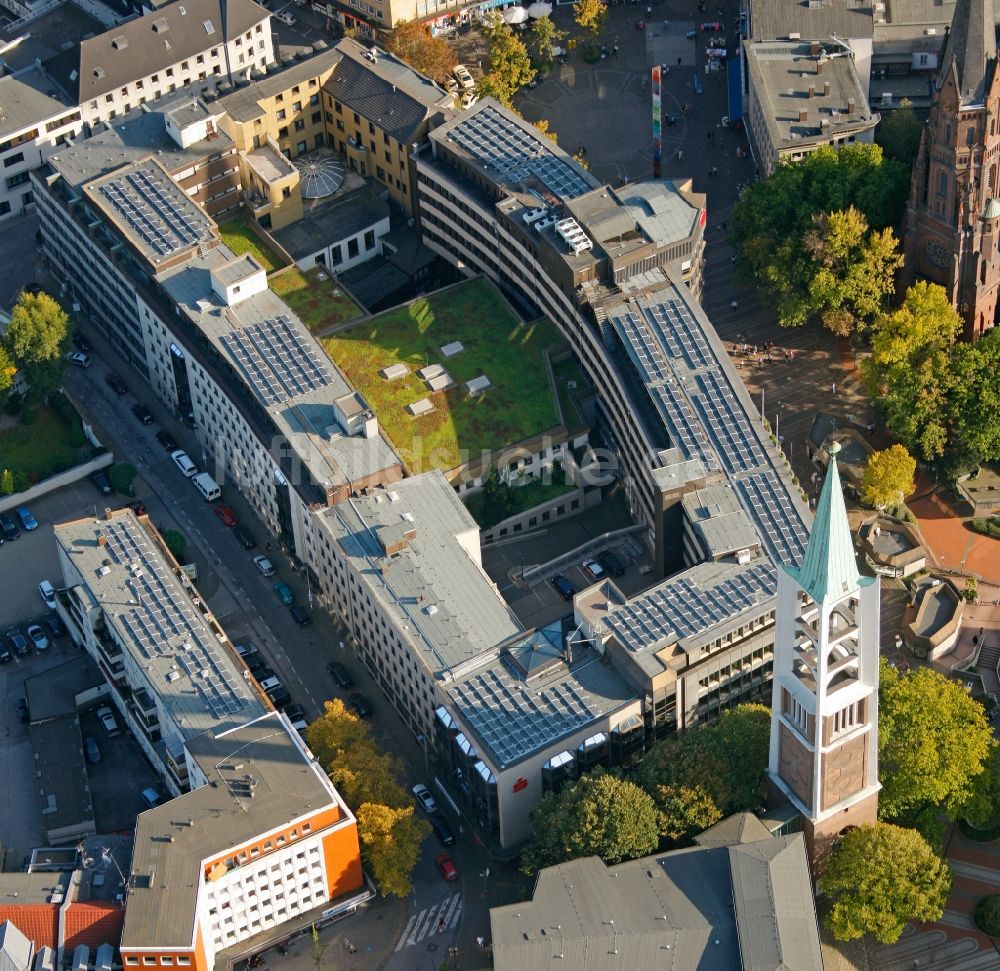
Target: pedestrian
<point x="441" y="925"/>
<point x="678" y="62"/>
<point x="481" y="941"/>
<point x="734" y="305"/>
<point x="833" y="387"/>
<point x="267" y="548"/>
<point x="616" y="50"/>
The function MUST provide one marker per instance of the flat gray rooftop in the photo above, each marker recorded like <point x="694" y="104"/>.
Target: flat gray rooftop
<point x="776" y="19"/>
<point x="340" y="218"/>
<point x="282" y="365"/>
<point x="719" y="519"/>
<point x="435" y="587"/>
<point x="27" y="99"/>
<point x="197" y="679"/>
<point x="52" y="694"/>
<point x="260" y="779"/>
<point x="60" y="777"/>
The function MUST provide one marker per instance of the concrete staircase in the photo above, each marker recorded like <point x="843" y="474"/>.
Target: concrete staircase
<point x="986" y="666"/>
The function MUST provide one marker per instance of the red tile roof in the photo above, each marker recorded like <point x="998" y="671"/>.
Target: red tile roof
<point x="94" y="923"/>
<point x="37" y="922"/>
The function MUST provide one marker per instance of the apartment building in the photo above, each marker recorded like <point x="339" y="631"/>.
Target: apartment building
<point x="194" y="44"/>
<point x="171" y="668"/>
<point x="262" y="838"/>
<point x="800" y="99"/>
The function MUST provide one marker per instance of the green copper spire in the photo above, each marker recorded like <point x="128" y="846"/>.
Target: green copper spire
<point x="829" y="569"/>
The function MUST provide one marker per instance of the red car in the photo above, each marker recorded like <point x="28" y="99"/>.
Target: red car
<point x="447" y="867"/>
<point x="712" y="27"/>
<point x="226" y="514"/>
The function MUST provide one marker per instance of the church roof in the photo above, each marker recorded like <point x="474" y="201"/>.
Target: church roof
<point x="829" y="569"/>
<point x="971" y="44"/>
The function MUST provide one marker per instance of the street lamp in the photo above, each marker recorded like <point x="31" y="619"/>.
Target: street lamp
<point x="422" y="739"/>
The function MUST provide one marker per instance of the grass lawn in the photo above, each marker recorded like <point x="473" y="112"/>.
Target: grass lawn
<point x="240" y="238"/>
<point x="518" y="405"/>
<point x="44" y="447"/>
<point x="525" y="497"/>
<point x="570" y="382"/>
<point x="314" y="301"/>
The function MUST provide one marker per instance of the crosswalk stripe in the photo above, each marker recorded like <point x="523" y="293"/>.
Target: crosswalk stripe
<point x="454" y="912"/>
<point x="422" y="924"/>
<point x="406" y="932"/>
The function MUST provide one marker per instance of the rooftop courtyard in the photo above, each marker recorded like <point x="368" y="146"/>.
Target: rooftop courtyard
<point x="458" y="424"/>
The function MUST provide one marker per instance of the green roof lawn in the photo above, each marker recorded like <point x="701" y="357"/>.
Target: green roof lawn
<point x="44" y="446"/>
<point x="518" y="404"/>
<point x="318" y="303"/>
<point x="240" y="238"/>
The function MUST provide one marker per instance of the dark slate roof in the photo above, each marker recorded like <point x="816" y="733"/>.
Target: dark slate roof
<point x="137" y="48"/>
<point x="733" y="830"/>
<point x="385" y="91"/>
<point x="971" y="44"/>
<point x="747" y="905"/>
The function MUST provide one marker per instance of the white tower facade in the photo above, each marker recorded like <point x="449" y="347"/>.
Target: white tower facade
<point x="824" y="719"/>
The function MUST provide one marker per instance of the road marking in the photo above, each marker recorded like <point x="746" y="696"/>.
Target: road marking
<point x="428" y="920"/>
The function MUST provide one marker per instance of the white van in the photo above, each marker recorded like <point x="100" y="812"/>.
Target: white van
<point x="184" y="463"/>
<point x="207" y="486"/>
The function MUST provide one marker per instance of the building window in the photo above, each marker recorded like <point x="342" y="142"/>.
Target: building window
<point x="281" y="114"/>
<point x="131" y="959"/>
<point x="13" y="159"/>
<point x="16" y="180"/>
<point x="166" y="959"/>
<point x="299" y="124"/>
<point x="283" y="132"/>
<point x="352" y="248"/>
<point x="314" y="101"/>
<point x="370" y="239"/>
<point x="296" y="105"/>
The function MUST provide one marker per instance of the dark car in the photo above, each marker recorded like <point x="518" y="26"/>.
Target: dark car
<point x="442" y="830"/>
<point x="612" y="564"/>
<point x="300" y="615"/>
<point x="115" y="383"/>
<point x="167" y="441"/>
<point x="21" y="707"/>
<point x="142" y="413"/>
<point x="341" y="675"/>
<point x="138" y="507"/>
<point x="9" y="528"/>
<point x="279" y="697"/>
<point x="80" y="342"/>
<point x="564" y="588"/>
<point x="56" y="627"/>
<point x="294" y="712"/>
<point x="259" y="668"/>
<point x="244" y="538"/>
<point x="18" y="641"/>
<point x="101" y="482"/>
<point x="92" y="749"/>
<point x="360" y="705"/>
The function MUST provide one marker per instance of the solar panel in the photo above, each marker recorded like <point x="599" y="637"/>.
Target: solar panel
<point x="782" y="530"/>
<point x="727" y="425"/>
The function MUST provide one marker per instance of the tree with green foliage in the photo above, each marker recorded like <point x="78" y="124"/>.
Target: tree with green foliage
<point x="726" y="759"/>
<point x="498" y="497"/>
<point x="910" y="373"/>
<point x="318" y="948"/>
<point x="888" y="477"/>
<point x="7" y="371"/>
<point x="510" y="62"/>
<point x="541" y="38"/>
<point x="590" y="16"/>
<point x="899" y="133"/>
<point x="368" y="780"/>
<point x="598" y="815"/>
<point x="176" y="542"/>
<point x="981" y="808"/>
<point x="881" y="877"/>
<point x="974" y="391"/>
<point x="934" y="740"/>
<point x="35" y="340"/>
<point x="685" y="811"/>
<point x="831" y="275"/>
<point x="412" y="42"/>
<point x="543" y="126"/>
<point x="122" y="476"/>
<point x="6" y="482"/>
<point x="390" y="843"/>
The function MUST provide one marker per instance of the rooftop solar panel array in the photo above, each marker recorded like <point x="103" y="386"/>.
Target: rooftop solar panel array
<point x="781" y="528"/>
<point x="680" y="335"/>
<point x="164" y="625"/>
<point x="154" y="212"/>
<point x="645" y="356"/>
<point x="683" y="609"/>
<point x="277" y="360"/>
<point x="727" y="425"/>
<point x="500" y="144"/>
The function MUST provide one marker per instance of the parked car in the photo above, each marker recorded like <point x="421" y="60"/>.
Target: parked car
<point x="341" y="675"/>
<point x="259" y="668"/>
<point x="101" y="482"/>
<point x="264" y="565"/>
<point x="611" y="564"/>
<point x="300" y="615"/>
<point x="442" y="830"/>
<point x="166" y="440"/>
<point x="424" y="797"/>
<point x="294" y="712"/>
<point x="227" y="516"/>
<point x="564" y="588"/>
<point x="283" y="592"/>
<point x="9" y="528"/>
<point x="287" y="18"/>
<point x="28" y="522"/>
<point x="91" y="749"/>
<point x="183" y="461"/>
<point x="151" y="798"/>
<point x="244" y="538"/>
<point x="108" y="720"/>
<point x="21" y="707"/>
<point x="37" y="637"/>
<point x="279" y="697"/>
<point x="116" y="384"/>
<point x="447" y="867"/>
<point x="78" y="359"/>
<point x="48" y="593"/>
<point x="362" y="707"/>
<point x="80" y="342"/>
<point x="246" y="651"/>
<point x="463" y="77"/>
<point x="142" y="413"/>
<point x="469" y="99"/>
<point x="56" y="627"/>
<point x="17" y="641"/>
<point x="138" y="507"/>
<point x="594" y="570"/>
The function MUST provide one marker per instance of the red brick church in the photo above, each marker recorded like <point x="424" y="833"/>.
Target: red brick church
<point x="953" y="216"/>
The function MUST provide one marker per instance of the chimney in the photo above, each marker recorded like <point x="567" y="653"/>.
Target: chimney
<point x="803" y="115"/>
<point x="812" y="90"/>
<point x="851" y="107"/>
<point x="819" y="65"/>
<point x="107" y="514"/>
<point x="102" y="540"/>
<point x="814" y="48"/>
<point x="826" y="89"/>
